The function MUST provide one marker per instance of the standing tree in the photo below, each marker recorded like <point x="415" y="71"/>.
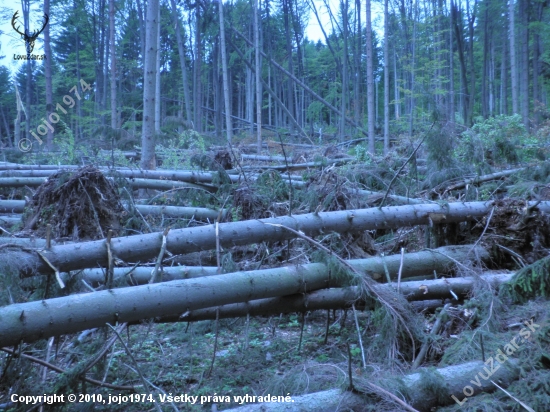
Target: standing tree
<point x="148" y="160"/>
<point x="386" y="81"/>
<point x="370" y="80"/>
<point x="513" y="65"/>
<point x="113" y="63"/>
<point x="227" y="103"/>
<point x="48" y="74"/>
<point x="258" y="76"/>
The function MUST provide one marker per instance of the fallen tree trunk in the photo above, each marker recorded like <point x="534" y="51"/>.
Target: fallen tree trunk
<point x="177" y="175"/>
<point x="326" y="401"/>
<point x="142" y="275"/>
<point x="418" y="263"/>
<point x="10" y="220"/>
<point x="134" y="183"/>
<point x="142" y="247"/>
<point x="338" y="298"/>
<point x="484" y="178"/>
<point x="27" y="322"/>
<point x="41" y="319"/>
<point x="454" y="379"/>
<point x="12" y="206"/>
<point x="199" y="213"/>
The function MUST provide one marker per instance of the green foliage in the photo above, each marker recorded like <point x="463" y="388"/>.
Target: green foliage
<point x="498" y="141"/>
<point x="530" y="281"/>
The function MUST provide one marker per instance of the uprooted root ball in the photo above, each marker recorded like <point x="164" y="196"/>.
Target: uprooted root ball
<point x="80" y="205"/>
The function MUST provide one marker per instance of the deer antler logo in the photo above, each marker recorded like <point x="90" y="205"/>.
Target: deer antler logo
<point x="29" y="39"/>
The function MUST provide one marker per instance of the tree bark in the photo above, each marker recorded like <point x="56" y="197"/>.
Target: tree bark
<point x="258" y="72"/>
<point x="48" y="75"/>
<point x="524" y="59"/>
<point x="141" y="247"/>
<point x="370" y="79"/>
<point x="28" y="322"/>
<point x="148" y="138"/>
<point x="114" y="121"/>
<point x="181" y="51"/>
<point x="513" y="64"/>
<point x="228" y="123"/>
<point x="386" y="80"/>
<point x="157" y="78"/>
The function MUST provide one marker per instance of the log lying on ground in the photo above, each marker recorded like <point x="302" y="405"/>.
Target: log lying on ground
<point x="12" y="206"/>
<point x="417" y="263"/>
<point x="134" y="183"/>
<point x="141" y="247"/>
<point x="142" y="275"/>
<point x="452" y="378"/>
<point x="183" y="299"/>
<point x="332" y="400"/>
<point x="188" y="176"/>
<point x="199" y="213"/>
<point x="27" y="322"/>
<point x="337" y="298"/>
<point x="10" y="220"/>
<point x="484" y="178"/>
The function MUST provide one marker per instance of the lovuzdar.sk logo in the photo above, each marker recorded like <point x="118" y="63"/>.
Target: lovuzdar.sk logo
<point x="29" y="39"/>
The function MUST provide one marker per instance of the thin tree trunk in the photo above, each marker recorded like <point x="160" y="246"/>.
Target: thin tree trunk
<point x="181" y="51"/>
<point x="504" y="77"/>
<point x="157" y="78"/>
<point x="344" y="91"/>
<point x="524" y="59"/>
<point x="452" y="109"/>
<point x="513" y="65"/>
<point x="258" y="71"/>
<point x="228" y="124"/>
<point x="114" y="121"/>
<point x="370" y="79"/>
<point x="148" y="160"/>
<point x="48" y="76"/>
<point x="396" y="86"/>
<point x="197" y="92"/>
<point x="386" y="80"/>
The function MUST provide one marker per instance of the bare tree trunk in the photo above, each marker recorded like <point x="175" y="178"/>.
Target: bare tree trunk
<point x="258" y="71"/>
<point x="370" y="79"/>
<point x="157" y="78"/>
<point x="524" y="59"/>
<point x="25" y="5"/>
<point x="396" y="86"/>
<point x="48" y="75"/>
<point x="72" y="313"/>
<point x="114" y="121"/>
<point x="504" y="78"/>
<point x="228" y="123"/>
<point x="148" y="160"/>
<point x="197" y="90"/>
<point x="287" y="9"/>
<point x="452" y="109"/>
<point x="386" y="80"/>
<point x="138" y="248"/>
<point x="344" y="6"/>
<point x="513" y="65"/>
<point x="181" y="51"/>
